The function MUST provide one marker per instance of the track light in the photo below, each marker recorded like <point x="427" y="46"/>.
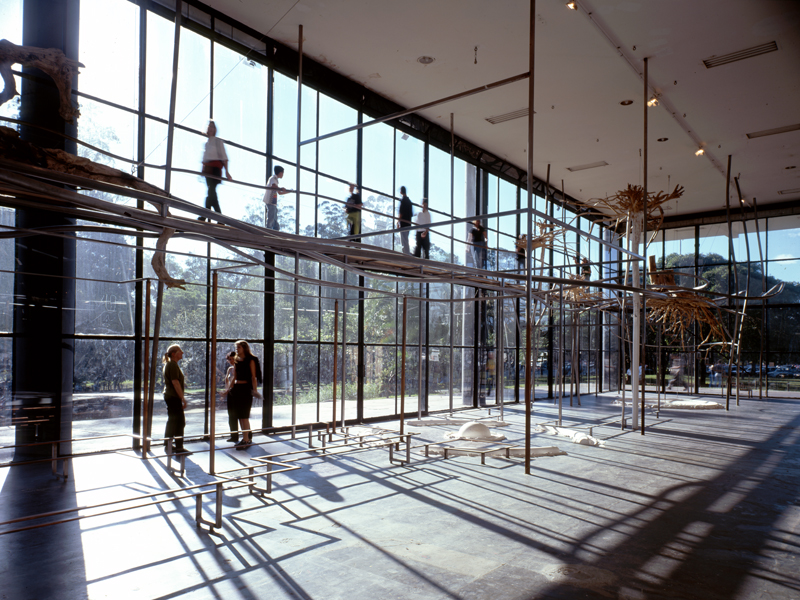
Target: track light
<point x="572" y="5"/>
<point x="653" y="101"/>
<point x="699" y="152"/>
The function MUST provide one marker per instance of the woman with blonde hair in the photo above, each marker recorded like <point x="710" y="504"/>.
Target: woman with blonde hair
<point x="245" y="386"/>
<point x="175" y="397"/>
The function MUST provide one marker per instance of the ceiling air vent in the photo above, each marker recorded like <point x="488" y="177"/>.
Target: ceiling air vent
<point x="601" y="163"/>
<point x="517" y="114"/>
<point x="766" y="132"/>
<point x="716" y="61"/>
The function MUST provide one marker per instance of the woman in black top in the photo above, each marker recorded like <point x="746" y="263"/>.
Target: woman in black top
<point x="245" y="386"/>
<point x="175" y="397"/>
<point x="478" y="240"/>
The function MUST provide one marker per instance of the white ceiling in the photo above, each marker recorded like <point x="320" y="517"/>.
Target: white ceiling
<point x="580" y="79"/>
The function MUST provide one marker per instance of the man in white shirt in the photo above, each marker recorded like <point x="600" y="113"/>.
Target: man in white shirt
<point x="215" y="159"/>
<point x="271" y="198"/>
<point x="423" y="235"/>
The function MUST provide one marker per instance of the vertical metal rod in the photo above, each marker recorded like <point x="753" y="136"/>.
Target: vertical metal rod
<point x="344" y="348"/>
<point x="299" y="121"/>
<point x="173" y="92"/>
<point x="763" y="289"/>
<point x="154" y="362"/>
<point x="644" y="247"/>
<point x="145" y="387"/>
<point x="295" y="358"/>
<point x="335" y="361"/>
<point x="746" y="287"/>
<point x="529" y="245"/>
<point x="452" y="255"/>
<point x="403" y="368"/>
<point x="500" y="358"/>
<point x="419" y="352"/>
<point x="658" y="369"/>
<point x="730" y="251"/>
<point x="213" y="396"/>
<point x="622" y="338"/>
<point x="561" y="346"/>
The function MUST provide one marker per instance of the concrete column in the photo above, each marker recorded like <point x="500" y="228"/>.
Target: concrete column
<point x="44" y="310"/>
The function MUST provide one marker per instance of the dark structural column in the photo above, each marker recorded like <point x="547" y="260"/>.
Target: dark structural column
<point x="44" y="304"/>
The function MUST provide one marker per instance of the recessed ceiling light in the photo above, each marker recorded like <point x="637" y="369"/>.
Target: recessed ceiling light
<point x="777" y="130"/>
<point x="425" y="60"/>
<point x="785" y="192"/>
<point x="626" y="102"/>
<point x="653" y="101"/>
<point x="699" y="152"/>
<point x="662" y="139"/>
<point x="572" y="5"/>
<point x="593" y="165"/>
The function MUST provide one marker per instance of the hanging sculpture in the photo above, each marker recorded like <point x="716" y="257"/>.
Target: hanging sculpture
<point x="50" y="61"/>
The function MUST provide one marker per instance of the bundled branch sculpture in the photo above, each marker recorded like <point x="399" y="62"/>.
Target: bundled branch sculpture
<point x="13" y="148"/>
<point x="681" y="310"/>
<point x="628" y="204"/>
<point x="51" y="61"/>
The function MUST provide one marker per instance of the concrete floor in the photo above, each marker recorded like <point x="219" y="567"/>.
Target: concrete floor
<point x="703" y="506"/>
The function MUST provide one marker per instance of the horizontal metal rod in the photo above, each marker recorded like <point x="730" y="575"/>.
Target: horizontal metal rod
<point x="408" y="111"/>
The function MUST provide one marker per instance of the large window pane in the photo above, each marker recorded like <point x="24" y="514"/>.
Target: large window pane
<point x="193" y="101"/>
<point x="337" y="155"/>
<point x="110" y="52"/>
<point x="240" y="102"/>
<point x="160" y="46"/>
<point x="378" y="158"/>
<point x="102" y="306"/>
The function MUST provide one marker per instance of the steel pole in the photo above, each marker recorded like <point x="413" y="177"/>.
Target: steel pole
<point x="335" y="360"/>
<point x="146" y="387"/>
<point x="644" y="247"/>
<point x="213" y="396"/>
<point x="529" y="246"/>
<point x="403" y="368"/>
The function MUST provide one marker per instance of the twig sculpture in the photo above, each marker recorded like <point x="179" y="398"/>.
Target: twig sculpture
<point x="159" y="261"/>
<point x="49" y="60"/>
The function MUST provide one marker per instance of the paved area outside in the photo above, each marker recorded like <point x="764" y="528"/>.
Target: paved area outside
<point x="705" y="505"/>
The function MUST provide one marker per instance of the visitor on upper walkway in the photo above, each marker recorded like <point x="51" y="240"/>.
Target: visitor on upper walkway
<point x="214" y="160"/>
<point x="423" y="248"/>
<point x="478" y="240"/>
<point x="404" y="216"/>
<point x="271" y="198"/>
<point x="353" y="210"/>
<point x="522" y="249"/>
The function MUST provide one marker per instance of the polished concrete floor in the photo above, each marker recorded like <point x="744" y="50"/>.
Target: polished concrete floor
<point x="705" y="505"/>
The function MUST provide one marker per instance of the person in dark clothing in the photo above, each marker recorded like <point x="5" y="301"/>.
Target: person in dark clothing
<point x="584" y="270"/>
<point x="522" y="249"/>
<point x="245" y="386"/>
<point x="230" y="377"/>
<point x="478" y="241"/>
<point x="174" y="388"/>
<point x="353" y="210"/>
<point x="404" y="216"/>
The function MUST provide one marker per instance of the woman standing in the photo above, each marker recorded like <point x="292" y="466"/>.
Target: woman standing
<point x="175" y="398"/>
<point x="230" y="376"/>
<point x="248" y="373"/>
